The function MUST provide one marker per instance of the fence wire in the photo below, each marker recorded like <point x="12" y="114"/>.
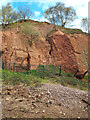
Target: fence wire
<point x="38" y="70"/>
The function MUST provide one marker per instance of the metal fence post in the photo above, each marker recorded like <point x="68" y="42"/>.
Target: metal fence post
<point x="43" y="72"/>
<point x="60" y="71"/>
<point x="5" y="65"/>
<point x="9" y="66"/>
<point x="27" y="68"/>
<point x="13" y="67"/>
<point x="2" y="65"/>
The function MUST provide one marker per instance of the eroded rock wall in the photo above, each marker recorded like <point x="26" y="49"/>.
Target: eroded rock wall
<point x="57" y="49"/>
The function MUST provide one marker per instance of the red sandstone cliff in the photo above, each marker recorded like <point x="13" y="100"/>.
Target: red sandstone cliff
<point x="57" y="48"/>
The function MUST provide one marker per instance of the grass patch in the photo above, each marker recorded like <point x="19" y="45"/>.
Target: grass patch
<point x="86" y="77"/>
<point x="43" y="74"/>
<point x="71" y="31"/>
<point x="9" y="77"/>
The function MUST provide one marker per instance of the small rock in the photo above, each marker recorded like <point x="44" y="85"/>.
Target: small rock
<point x="32" y="107"/>
<point x="37" y="111"/>
<point x="42" y="93"/>
<point x="9" y="93"/>
<point x="31" y="111"/>
<point x="59" y="104"/>
<point x="60" y="112"/>
<point x="38" y="96"/>
<point x="8" y="98"/>
<point x="48" y="93"/>
<point x="78" y="117"/>
<point x="43" y="111"/>
<point x="29" y="96"/>
<point x="50" y="101"/>
<point x="10" y="109"/>
<point x="19" y="99"/>
<point x="33" y="101"/>
<point x="9" y="89"/>
<point x="64" y="114"/>
<point x="47" y="105"/>
<point x="34" y="104"/>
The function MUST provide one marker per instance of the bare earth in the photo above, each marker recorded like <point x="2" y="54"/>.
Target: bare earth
<point x="48" y="101"/>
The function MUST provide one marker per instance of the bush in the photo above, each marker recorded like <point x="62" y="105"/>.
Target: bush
<point x="30" y="31"/>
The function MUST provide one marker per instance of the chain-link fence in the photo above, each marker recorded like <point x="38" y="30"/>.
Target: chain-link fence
<point x="37" y="70"/>
<point x="29" y="74"/>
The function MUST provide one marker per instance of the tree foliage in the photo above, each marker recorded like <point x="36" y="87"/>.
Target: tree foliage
<point x="59" y="14"/>
<point x="84" y="23"/>
<point x="8" y="14"/>
<point x="24" y="12"/>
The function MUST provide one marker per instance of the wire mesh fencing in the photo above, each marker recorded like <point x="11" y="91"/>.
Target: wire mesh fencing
<point x="37" y="70"/>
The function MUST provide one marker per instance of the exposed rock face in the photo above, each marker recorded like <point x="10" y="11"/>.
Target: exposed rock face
<point x="62" y="52"/>
<point x="57" y="49"/>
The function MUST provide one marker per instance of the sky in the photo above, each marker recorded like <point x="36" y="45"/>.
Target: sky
<point x="39" y="6"/>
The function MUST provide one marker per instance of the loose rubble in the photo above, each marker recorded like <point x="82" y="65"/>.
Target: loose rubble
<point x="55" y="101"/>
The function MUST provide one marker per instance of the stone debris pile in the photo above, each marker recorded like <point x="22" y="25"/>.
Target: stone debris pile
<point x="51" y="100"/>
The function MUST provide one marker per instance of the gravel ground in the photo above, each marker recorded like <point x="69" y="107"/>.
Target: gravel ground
<point x="48" y="101"/>
<point x="68" y="97"/>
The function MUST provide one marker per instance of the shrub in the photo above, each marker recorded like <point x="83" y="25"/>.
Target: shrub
<point x="30" y="31"/>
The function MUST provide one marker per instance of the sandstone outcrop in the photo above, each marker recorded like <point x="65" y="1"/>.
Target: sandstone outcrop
<point x="69" y="51"/>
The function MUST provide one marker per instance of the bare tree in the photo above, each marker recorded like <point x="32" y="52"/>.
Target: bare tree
<point x="24" y="12"/>
<point x="8" y="14"/>
<point x="84" y="23"/>
<point x="60" y="14"/>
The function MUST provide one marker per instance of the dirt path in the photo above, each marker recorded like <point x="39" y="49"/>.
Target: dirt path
<point x="48" y="101"/>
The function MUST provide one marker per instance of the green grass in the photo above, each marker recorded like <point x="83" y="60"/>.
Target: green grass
<point x="9" y="77"/>
<point x="86" y="77"/>
<point x="43" y="74"/>
<point x="71" y="31"/>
